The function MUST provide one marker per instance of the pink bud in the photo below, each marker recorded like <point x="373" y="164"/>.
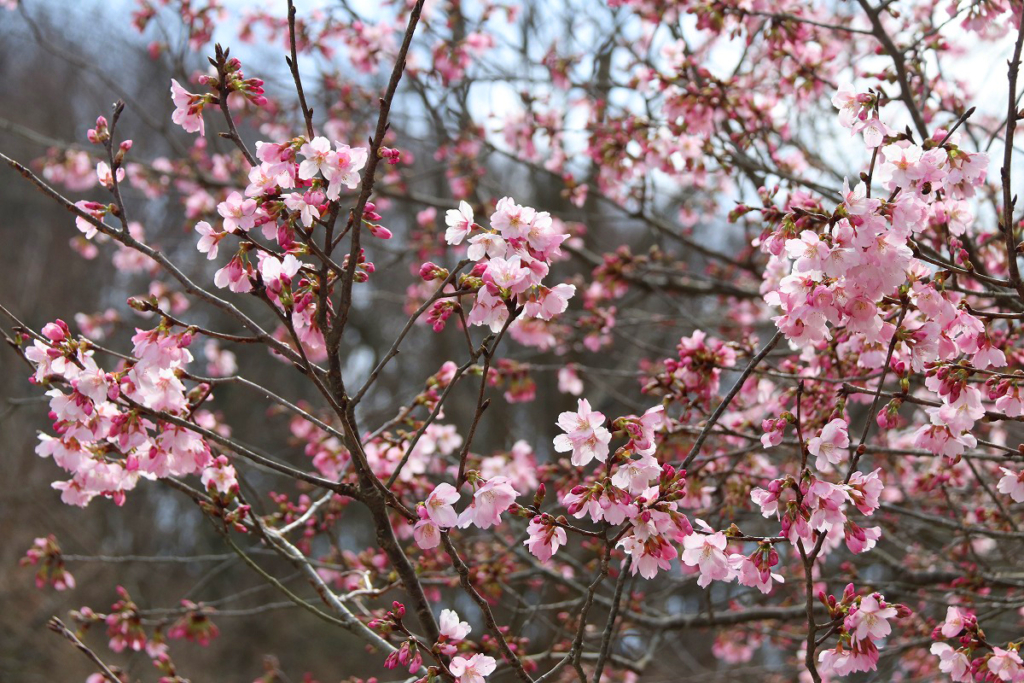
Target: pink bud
<point x="431" y="271"/>
<point x="380" y="232"/>
<point x="56" y="331"/>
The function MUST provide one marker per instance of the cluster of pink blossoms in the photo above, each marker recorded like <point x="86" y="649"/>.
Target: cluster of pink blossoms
<point x="188" y="107"/>
<point x="859" y="282"/>
<point x="104" y="438"/>
<point x="286" y="196"/>
<point x="864" y="620"/>
<point x="645" y="495"/>
<point x="698" y="370"/>
<point x="519" y="247"/>
<point x="976" y="659"/>
<point x="45" y="553"/>
<point x="491" y="498"/>
<point x="816" y="505"/>
<point x="463" y="666"/>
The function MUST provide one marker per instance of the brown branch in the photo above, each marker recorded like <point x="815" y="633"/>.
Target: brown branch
<point x="485" y="608"/>
<point x="58" y="627"/>
<point x="293" y="64"/>
<point x="900" y="65"/>
<point x="1005" y="172"/>
<point x="223" y="91"/>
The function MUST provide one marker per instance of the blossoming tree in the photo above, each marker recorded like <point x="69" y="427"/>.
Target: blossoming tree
<point x="763" y="264"/>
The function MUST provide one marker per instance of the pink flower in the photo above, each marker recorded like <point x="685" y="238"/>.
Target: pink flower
<point x="485" y="244"/>
<point x="94" y="209"/>
<point x="809" y="253"/>
<point x="547" y="303"/>
<point x="439" y="505"/>
<point x="863" y="656"/>
<point x="874" y="130"/>
<point x="857" y="202"/>
<point x="825" y="500"/>
<point x="220" y="363"/>
<point x="870" y="620"/>
<point x="426" y="532"/>
<point x="648" y="555"/>
<point x="188" y="109"/>
<point x="569" y="381"/>
<point x="262" y="181"/>
<point x="616" y="507"/>
<point x="506" y="276"/>
<point x="747" y="574"/>
<point x="343" y="169"/>
<point x="636" y="475"/>
<point x="238" y="213"/>
<point x="460" y="223"/>
<point x="707" y="551"/>
<point x="1005" y="664"/>
<point x="768" y="499"/>
<point x="105" y="177"/>
<point x="858" y="539"/>
<point x="961" y="414"/>
<point x="317" y="153"/>
<point x="848" y="102"/>
<point x="952" y="662"/>
<point x="774" y="431"/>
<point x="277" y="273"/>
<point x="938" y="438"/>
<point x="305" y="204"/>
<point x="488" y="309"/>
<point x="511" y="220"/>
<point x="826" y="445"/>
<point x="864" y="490"/>
<point x="489" y="501"/>
<point x="545" y="538"/>
<point x="220" y="476"/>
<point x="210" y="239"/>
<point x="584" y="436"/>
<point x="641" y="429"/>
<point x="234" y="275"/>
<point x="451" y="626"/>
<point x="1012" y="484"/>
<point x="582" y="501"/>
<point x="472" y="670"/>
<point x="954" y="622"/>
<point x="900" y="165"/>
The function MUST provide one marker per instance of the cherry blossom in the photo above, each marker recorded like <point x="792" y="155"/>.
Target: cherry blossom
<point x="460" y="223"/>
<point x="825" y="447"/>
<point x="585" y="436"/>
<point x="188" y="109"/>
<point x="953" y="662"/>
<point x="238" y="213"/>
<point x="545" y="538"/>
<point x="209" y="242"/>
<point x="1012" y="484"/>
<point x="707" y="552"/>
<point x="870" y="619"/>
<point x="472" y="670"/>
<point x="1005" y="664"/>
<point x="439" y="505"/>
<point x="491" y="499"/>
